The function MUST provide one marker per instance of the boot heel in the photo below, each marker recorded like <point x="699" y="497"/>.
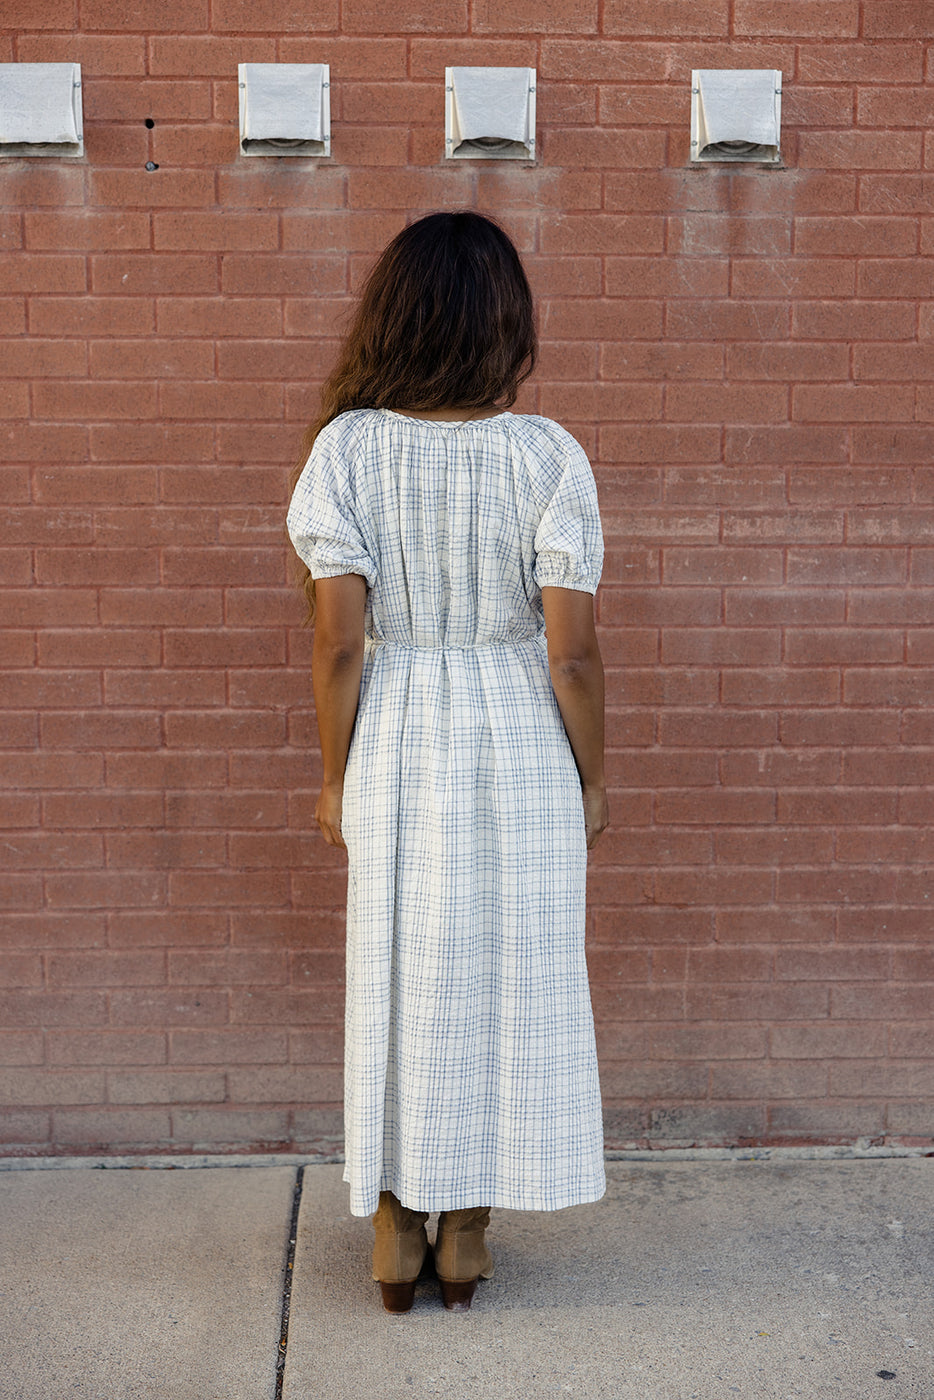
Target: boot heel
<point x="457" y="1297"/>
<point x="398" y="1297"/>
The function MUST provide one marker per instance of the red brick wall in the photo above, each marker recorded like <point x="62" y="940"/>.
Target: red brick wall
<point x="747" y="354"/>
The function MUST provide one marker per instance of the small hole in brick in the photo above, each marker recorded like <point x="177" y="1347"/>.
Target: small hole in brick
<point x="151" y="165"/>
<point x="149" y="122"/>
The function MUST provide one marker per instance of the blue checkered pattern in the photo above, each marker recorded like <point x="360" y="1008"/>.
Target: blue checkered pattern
<point x="471" y="1074"/>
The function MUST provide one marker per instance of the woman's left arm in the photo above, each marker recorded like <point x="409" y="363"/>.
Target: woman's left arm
<point x="336" y="668"/>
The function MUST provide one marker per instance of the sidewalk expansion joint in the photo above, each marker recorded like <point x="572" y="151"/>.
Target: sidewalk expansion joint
<point x="283" y="1347"/>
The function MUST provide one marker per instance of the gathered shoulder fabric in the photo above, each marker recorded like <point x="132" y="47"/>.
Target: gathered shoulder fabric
<point x="470" y="1065"/>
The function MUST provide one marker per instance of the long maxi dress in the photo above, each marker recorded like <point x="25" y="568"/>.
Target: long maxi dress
<point x="471" y="1073"/>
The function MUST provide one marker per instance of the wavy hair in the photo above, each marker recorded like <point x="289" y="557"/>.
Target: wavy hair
<point x="445" y="320"/>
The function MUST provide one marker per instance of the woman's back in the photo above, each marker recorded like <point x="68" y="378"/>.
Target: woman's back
<point x="456" y="525"/>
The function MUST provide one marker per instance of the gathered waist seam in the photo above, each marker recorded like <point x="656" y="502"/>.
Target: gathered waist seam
<point x="378" y="643"/>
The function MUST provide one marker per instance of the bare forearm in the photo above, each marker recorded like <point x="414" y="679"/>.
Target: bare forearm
<point x="579" y="691"/>
<point x="335" y="680"/>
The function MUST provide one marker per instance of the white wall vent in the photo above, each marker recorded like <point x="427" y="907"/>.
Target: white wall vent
<point x="736" y="114"/>
<point x="489" y="114"/>
<point x="40" y="110"/>
<point x="285" y="109"/>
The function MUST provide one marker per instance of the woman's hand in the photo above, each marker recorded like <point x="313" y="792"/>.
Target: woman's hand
<point x="596" y="813"/>
<point x="328" y="813"/>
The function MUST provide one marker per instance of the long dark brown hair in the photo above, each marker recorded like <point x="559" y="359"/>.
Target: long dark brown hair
<point x="445" y="320"/>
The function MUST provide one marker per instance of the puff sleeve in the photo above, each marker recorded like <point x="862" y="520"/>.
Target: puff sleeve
<point x="569" y="538"/>
<point x="323" y="519"/>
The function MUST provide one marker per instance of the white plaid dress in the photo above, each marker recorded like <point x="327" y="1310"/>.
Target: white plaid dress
<point x="471" y="1073"/>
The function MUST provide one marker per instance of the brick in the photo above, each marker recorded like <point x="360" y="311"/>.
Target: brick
<point x="163" y="607"/>
<point x="384" y="57"/>
<point x="12" y="315"/>
<point x="803" y="276"/>
<point x="86" y="228"/>
<point x="158" y="688"/>
<point x="21" y="1048"/>
<point x="175" y="14"/>
<point x="105" y="969"/>
<point x="714" y="565"/>
<point x="21" y="969"/>
<point x="226" y="888"/>
<point x="206" y="55"/>
<point x="585" y="319"/>
<point x="713" y="1123"/>
<point x="128" y="647"/>
<point x="101" y="809"/>
<point x="155" y="850"/>
<point x="255" y="1130"/>
<point x="43" y="272"/>
<point x="90" y="567"/>
<point x="715" y="403"/>
<point x="688" y="319"/>
<point x="786" y="361"/>
<point x="871" y="320"/>
<point x="152" y="274"/>
<point x="901" y="846"/>
<point x="891" y="685"/>
<point x="715" y="887"/>
<point x="287" y="1085"/>
<point x="905" y="525"/>
<point x="862" y="150"/>
<point x="837" y="806"/>
<point x="793" y="527"/>
<point x="160" y="1086"/>
<point x="719" y="647"/>
<point x="165" y="769"/>
<point x="22" y="1128"/>
<point x="129" y="359"/>
<point x="897" y="194"/>
<point x="34" y="357"/>
<point x="706" y="234"/>
<point x="856" y="485"/>
<point x="18" y="810"/>
<point x="43" y="849"/>
<point x="838" y="727"/>
<point x="26" y="1007"/>
<point x="715" y="806"/>
<point x="45" y="689"/>
<point x="666" y="17"/>
<point x="167" y="1007"/>
<point x="838" y="964"/>
<point x="705" y="1042"/>
<point x="817" y="686"/>
<point x="659" y="442"/>
<point x="664" y="277"/>
<point x="775" y="926"/>
<point x="864" y="237"/>
<point x="219" y="316"/>
<point x="130" y="399"/>
<point x="773" y="847"/>
<point x="116" y="100"/>
<point x="596" y="233"/>
<point x="860" y="62"/>
<point x="898" y="445"/>
<point x="213" y="401"/>
<point x="111" y="1128"/>
<point x="849" y="566"/>
<point x="149" y="442"/>
<point x="164" y="928"/>
<point x="162" y="188"/>
<point x="104" y="888"/>
<point x="49" y="1087"/>
<point x="295" y="359"/>
<point x="228" y="1047"/>
<point x="226" y="968"/>
<point x="90" y="315"/>
<point x="223" y="230"/>
<point x="105" y="1047"/>
<point x="786" y="1001"/>
<point x="773" y="1079"/>
<point x="892" y="1078"/>
<point x="813" y="646"/>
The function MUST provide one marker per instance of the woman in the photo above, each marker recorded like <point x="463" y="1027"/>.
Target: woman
<point x="444" y="538"/>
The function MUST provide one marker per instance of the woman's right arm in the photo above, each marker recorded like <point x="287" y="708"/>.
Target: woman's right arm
<point x="576" y="669"/>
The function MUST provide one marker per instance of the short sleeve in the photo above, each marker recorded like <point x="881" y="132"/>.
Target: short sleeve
<point x="322" y="520"/>
<point x="569" y="539"/>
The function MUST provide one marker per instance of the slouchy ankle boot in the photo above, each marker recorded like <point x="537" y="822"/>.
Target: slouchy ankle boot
<point x="461" y="1256"/>
<point x="399" y="1251"/>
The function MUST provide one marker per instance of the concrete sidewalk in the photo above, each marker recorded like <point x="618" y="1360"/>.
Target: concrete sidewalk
<point x="690" y="1280"/>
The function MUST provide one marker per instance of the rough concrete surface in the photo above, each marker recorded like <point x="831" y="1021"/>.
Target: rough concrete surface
<point x="142" y="1285"/>
<point x="687" y="1282"/>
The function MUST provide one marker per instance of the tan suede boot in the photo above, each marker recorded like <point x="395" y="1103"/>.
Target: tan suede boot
<point x="399" y="1251"/>
<point x="461" y="1255"/>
